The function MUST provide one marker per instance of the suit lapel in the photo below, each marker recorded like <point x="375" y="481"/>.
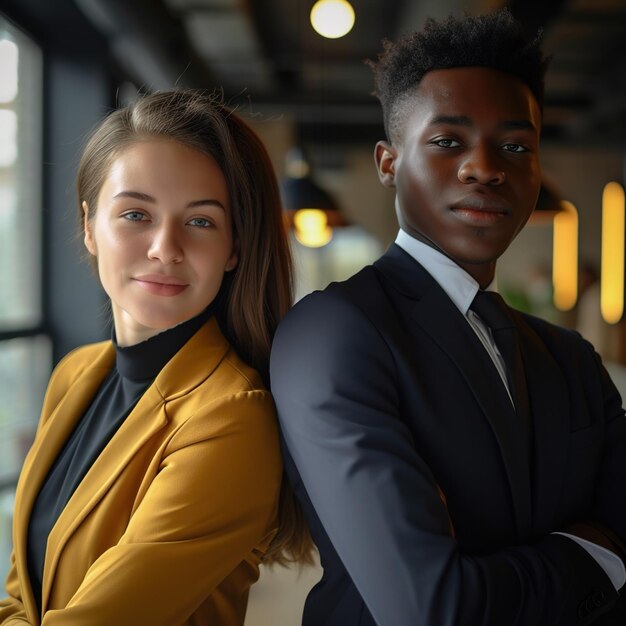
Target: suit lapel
<point x="185" y="371"/>
<point x="436" y="315"/>
<point x="549" y="409"/>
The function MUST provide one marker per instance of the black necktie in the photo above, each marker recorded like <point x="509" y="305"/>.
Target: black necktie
<point x="492" y="309"/>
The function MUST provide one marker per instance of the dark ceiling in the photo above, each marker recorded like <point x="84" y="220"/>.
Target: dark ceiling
<point x="264" y="54"/>
<point x="265" y="51"/>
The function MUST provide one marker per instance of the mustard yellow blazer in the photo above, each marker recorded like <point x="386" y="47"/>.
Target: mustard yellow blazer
<point x="170" y="523"/>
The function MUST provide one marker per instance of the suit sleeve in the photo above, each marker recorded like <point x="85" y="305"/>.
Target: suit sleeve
<point x="610" y="505"/>
<point x="334" y="382"/>
<point x="211" y="504"/>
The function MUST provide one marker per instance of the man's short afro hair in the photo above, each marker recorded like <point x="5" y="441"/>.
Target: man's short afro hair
<point x="496" y="40"/>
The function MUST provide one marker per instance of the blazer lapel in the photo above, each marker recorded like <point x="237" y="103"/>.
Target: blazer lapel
<point x="433" y="310"/>
<point x="47" y="446"/>
<point x="187" y="369"/>
<point x="148" y="417"/>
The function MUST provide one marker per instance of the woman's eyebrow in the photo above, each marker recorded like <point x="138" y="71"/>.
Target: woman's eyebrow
<point x="144" y="197"/>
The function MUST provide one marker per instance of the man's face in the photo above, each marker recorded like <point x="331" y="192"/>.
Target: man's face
<point x="466" y="164"/>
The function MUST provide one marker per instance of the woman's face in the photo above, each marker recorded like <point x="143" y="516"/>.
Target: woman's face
<point x="162" y="236"/>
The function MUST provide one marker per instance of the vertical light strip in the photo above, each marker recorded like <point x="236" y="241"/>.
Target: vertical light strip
<point x="612" y="272"/>
<point x="565" y="257"/>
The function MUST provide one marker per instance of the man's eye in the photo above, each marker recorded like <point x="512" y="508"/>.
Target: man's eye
<point x="515" y="147"/>
<point x="447" y="143"/>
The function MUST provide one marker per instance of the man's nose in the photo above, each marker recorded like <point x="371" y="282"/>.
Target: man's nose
<point x="482" y="165"/>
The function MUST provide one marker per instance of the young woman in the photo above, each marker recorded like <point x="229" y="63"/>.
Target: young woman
<point x="150" y="494"/>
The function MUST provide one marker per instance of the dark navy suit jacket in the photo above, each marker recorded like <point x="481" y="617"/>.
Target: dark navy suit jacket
<point x="430" y="502"/>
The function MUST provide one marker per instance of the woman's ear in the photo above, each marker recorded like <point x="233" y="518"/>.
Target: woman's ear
<point x="231" y="264"/>
<point x="90" y="241"/>
<point x="385" y="156"/>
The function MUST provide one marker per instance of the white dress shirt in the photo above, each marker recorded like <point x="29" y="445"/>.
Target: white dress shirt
<point x="461" y="289"/>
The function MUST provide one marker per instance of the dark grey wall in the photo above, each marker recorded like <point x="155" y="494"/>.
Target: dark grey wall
<point x="77" y="97"/>
<point x="79" y="88"/>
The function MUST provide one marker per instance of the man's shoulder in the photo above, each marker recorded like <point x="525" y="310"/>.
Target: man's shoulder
<point x="347" y="297"/>
<point x="564" y="344"/>
<point x="550" y="330"/>
<point x="334" y="314"/>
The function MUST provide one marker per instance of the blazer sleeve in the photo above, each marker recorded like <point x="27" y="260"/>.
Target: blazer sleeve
<point x="12" y="611"/>
<point x="334" y="383"/>
<point x="209" y="507"/>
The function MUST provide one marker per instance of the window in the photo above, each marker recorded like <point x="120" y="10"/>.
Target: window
<point x="25" y="355"/>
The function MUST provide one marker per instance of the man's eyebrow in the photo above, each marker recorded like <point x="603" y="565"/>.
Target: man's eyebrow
<point x="455" y="120"/>
<point x="463" y="120"/>
<point x="144" y="197"/>
<point x="522" y="124"/>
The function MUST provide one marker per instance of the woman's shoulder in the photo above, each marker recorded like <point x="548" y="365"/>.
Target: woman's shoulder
<point x="72" y="366"/>
<point x="228" y="401"/>
<point x="207" y="363"/>
<point x="83" y="357"/>
<point x="243" y="375"/>
<point x="89" y="355"/>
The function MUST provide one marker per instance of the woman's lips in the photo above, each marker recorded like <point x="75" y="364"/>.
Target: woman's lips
<point x="161" y="285"/>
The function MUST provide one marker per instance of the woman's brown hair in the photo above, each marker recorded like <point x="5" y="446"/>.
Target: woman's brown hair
<point x="257" y="294"/>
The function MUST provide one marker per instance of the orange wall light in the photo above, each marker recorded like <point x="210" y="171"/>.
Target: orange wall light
<point x="565" y="257"/>
<point x="612" y="271"/>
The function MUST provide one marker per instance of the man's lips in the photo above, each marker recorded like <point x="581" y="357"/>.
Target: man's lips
<point x="160" y="284"/>
<point x="483" y="211"/>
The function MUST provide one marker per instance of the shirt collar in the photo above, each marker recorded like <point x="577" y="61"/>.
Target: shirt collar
<point x="454" y="280"/>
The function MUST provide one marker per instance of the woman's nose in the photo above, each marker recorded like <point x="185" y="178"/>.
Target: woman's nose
<point x="165" y="245"/>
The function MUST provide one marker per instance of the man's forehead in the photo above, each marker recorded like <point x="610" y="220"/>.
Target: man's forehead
<point x="457" y="95"/>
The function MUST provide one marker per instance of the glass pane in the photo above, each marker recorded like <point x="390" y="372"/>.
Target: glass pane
<point x="24" y="370"/>
<point x="6" y="517"/>
<point x="20" y="178"/>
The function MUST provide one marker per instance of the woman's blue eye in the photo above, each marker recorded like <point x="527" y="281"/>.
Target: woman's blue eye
<point x="134" y="216"/>
<point x="202" y="222"/>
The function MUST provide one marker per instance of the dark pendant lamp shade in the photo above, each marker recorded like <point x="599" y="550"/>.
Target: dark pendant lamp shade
<point x="310" y="211"/>
<point x="304" y="193"/>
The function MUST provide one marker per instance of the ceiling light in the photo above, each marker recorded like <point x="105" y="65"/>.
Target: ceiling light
<point x="332" y="18"/>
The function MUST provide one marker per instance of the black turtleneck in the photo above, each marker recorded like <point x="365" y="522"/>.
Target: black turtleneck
<point x="135" y="369"/>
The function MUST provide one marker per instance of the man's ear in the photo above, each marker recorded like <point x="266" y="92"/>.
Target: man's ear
<point x="90" y="241"/>
<point x="385" y="156"/>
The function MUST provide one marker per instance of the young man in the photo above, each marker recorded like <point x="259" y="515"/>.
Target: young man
<point x="456" y="467"/>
